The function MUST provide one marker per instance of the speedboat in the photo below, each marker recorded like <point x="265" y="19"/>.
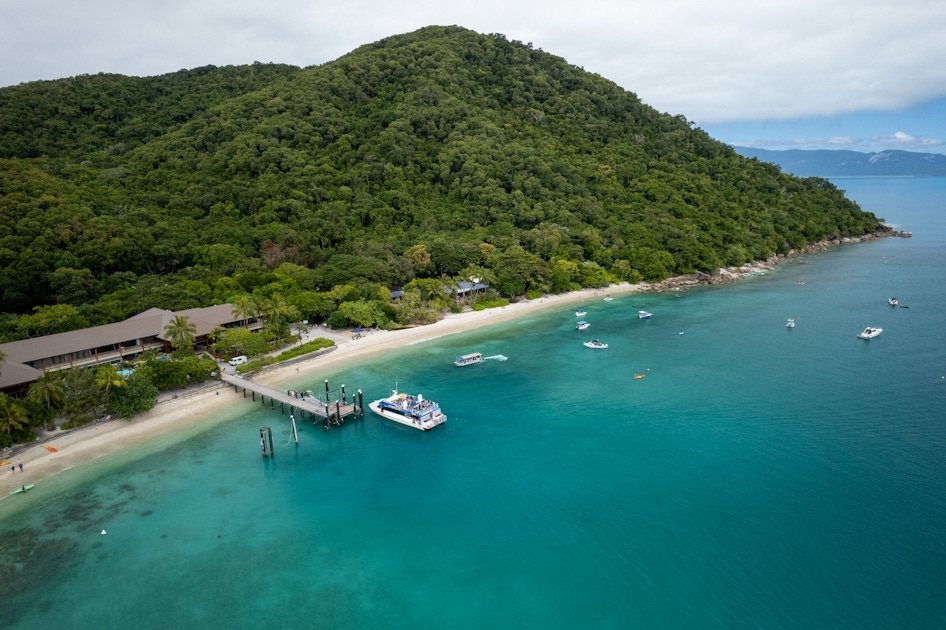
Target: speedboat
<point x="870" y="333"/>
<point x="791" y="322"/>
<point x="892" y="301"/>
<point x="580" y="313"/>
<point x="596" y="343"/>
<point x="608" y="298"/>
<point x="468" y="359"/>
<point x="643" y="315"/>
<point x="413" y="411"/>
<point x="581" y="325"/>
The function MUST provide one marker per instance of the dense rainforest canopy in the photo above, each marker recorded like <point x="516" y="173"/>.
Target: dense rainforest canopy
<point x="439" y="154"/>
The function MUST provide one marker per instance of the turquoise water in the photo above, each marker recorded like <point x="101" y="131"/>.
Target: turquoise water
<point x="757" y="477"/>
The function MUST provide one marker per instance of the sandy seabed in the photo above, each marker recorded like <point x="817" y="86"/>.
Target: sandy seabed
<point x="185" y="412"/>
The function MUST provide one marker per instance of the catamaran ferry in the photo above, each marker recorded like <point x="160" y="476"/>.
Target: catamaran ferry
<point x="414" y="411"/>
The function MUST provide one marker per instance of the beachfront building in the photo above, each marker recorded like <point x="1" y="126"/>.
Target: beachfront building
<point x="28" y="359"/>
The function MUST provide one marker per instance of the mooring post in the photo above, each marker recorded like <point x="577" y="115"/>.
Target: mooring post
<point x="327" y="399"/>
<point x="254" y="396"/>
<point x="361" y="403"/>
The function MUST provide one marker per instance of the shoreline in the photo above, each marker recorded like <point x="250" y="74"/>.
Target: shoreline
<point x="191" y="409"/>
<point x="187" y="410"/>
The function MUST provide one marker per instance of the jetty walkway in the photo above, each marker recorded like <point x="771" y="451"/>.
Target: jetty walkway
<point x="329" y="411"/>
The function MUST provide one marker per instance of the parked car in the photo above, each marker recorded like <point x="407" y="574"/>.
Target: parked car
<point x="240" y="360"/>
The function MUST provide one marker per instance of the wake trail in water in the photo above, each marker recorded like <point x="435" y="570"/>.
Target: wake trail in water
<point x="496" y="357"/>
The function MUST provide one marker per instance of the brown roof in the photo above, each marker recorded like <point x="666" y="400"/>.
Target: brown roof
<point x="150" y="323"/>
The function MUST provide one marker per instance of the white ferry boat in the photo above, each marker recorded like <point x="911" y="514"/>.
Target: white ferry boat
<point x="582" y="325"/>
<point x="468" y="359"/>
<point x="413" y="411"/>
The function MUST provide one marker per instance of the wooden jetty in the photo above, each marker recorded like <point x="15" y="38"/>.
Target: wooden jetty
<point x="329" y="412"/>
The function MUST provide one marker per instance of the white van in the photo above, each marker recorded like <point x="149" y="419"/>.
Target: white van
<point x="240" y="360"/>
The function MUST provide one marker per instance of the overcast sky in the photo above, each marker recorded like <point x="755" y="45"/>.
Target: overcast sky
<point x="857" y="74"/>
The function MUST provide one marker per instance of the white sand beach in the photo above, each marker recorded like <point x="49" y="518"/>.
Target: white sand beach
<point x="185" y="411"/>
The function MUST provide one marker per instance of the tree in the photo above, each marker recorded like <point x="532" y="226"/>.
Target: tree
<point x="137" y="396"/>
<point x="82" y="392"/>
<point x="47" y="320"/>
<point x="362" y="313"/>
<point x="236" y="341"/>
<point x="107" y="377"/>
<point x="48" y="390"/>
<point x="13" y="417"/>
<point x="244" y="307"/>
<point x="181" y="331"/>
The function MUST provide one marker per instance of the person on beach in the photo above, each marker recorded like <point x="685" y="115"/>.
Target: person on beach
<point x="21" y="467"/>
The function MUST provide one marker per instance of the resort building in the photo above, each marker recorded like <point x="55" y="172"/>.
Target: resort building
<point x="28" y="359"/>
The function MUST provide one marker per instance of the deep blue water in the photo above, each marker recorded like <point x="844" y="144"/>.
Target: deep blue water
<point x="757" y="477"/>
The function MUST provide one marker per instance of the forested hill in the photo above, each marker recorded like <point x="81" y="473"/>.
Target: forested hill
<point x="439" y="153"/>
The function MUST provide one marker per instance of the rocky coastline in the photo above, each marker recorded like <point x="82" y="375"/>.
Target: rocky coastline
<point x="728" y="275"/>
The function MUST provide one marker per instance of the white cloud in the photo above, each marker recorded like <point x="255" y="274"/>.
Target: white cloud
<point x="906" y="142"/>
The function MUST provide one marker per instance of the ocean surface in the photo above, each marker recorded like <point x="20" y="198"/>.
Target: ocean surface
<point x="758" y="476"/>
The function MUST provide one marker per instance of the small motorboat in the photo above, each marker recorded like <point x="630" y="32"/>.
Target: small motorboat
<point x="870" y="333"/>
<point x="468" y="359"/>
<point x="580" y="312"/>
<point x="791" y="322"/>
<point x="582" y="325"/>
<point x="608" y="298"/>
<point x="596" y="343"/>
<point x="892" y="301"/>
<point x="643" y="315"/>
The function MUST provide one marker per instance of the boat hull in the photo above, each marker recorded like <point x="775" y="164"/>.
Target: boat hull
<point x="425" y="423"/>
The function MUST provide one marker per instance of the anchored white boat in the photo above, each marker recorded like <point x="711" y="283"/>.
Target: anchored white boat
<point x="413" y="411"/>
<point x="892" y="301"/>
<point x="870" y="333"/>
<point x="608" y="298"/>
<point x="580" y="312"/>
<point x="468" y="359"/>
<point x="791" y="322"/>
<point x="643" y="315"/>
<point x="582" y="325"/>
<point x="596" y="343"/>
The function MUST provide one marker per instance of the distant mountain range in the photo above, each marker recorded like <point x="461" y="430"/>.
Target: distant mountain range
<point x="829" y="163"/>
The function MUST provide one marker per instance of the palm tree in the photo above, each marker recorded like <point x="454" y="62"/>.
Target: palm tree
<point x="48" y="390"/>
<point x="244" y="307"/>
<point x="180" y="331"/>
<point x="108" y="376"/>
<point x="12" y="415"/>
